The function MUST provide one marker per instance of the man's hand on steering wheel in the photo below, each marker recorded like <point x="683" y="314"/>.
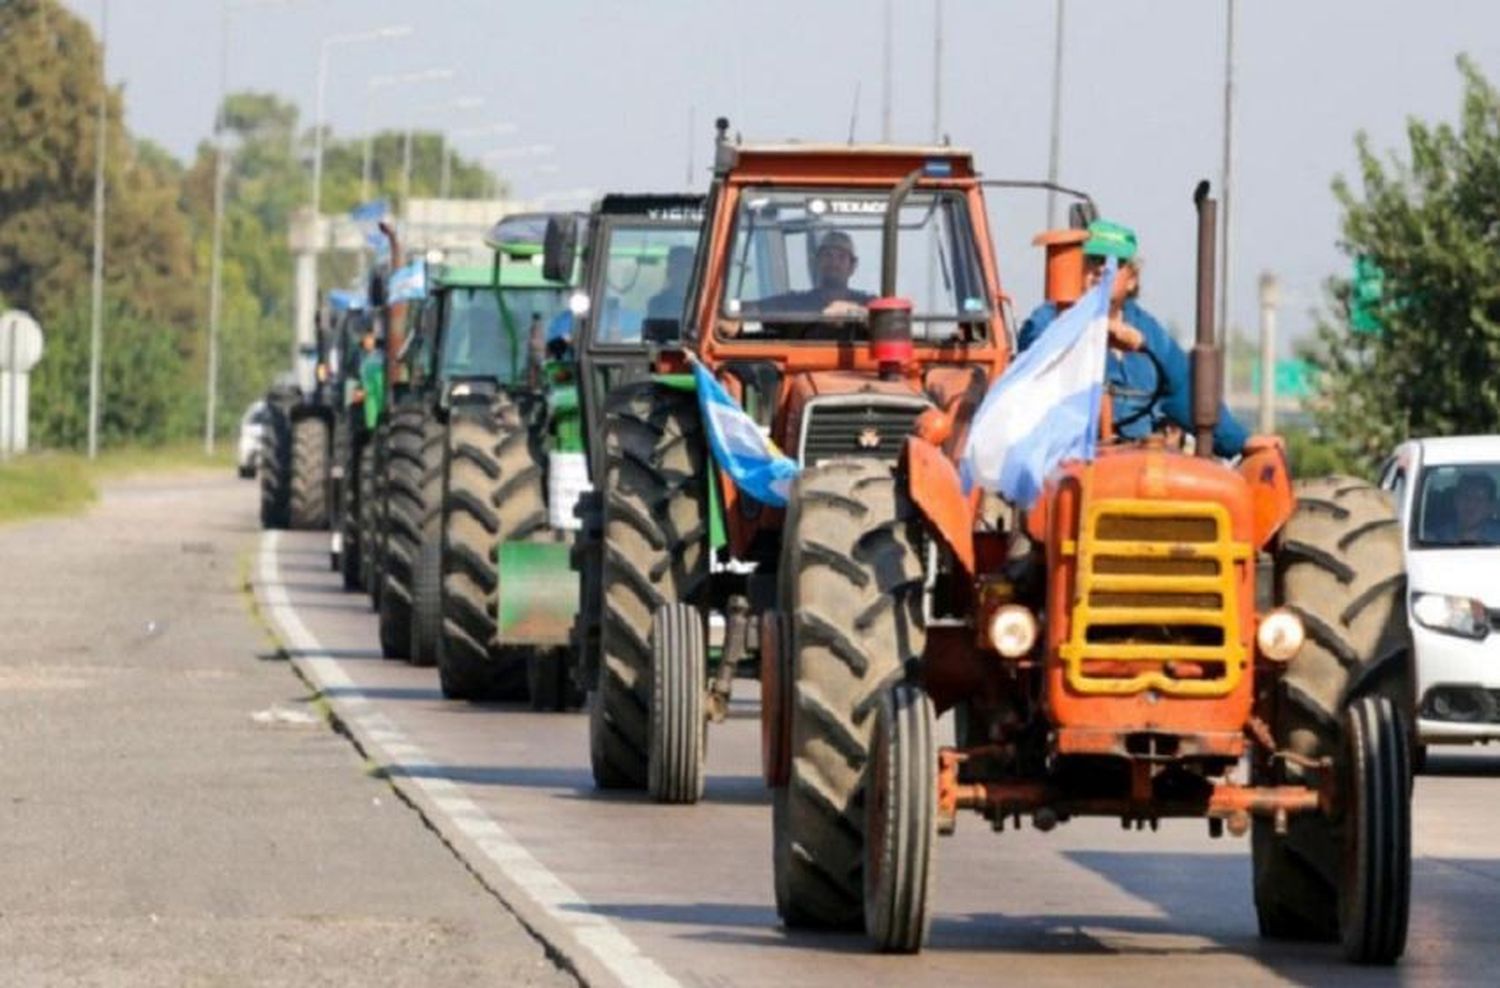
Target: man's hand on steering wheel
<point x="845" y="309"/>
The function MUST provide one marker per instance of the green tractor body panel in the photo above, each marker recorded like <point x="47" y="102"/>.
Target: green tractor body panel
<point x="538" y="593"/>
<point x="372" y="378"/>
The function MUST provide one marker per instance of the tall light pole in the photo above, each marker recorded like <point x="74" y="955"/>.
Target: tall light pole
<point x="381" y="82"/>
<point x="448" y="136"/>
<point x="216" y="265"/>
<point x="462" y="103"/>
<point x="378" y="34"/>
<point x="1056" y="141"/>
<point x="886" y="83"/>
<point x="1224" y="178"/>
<point x="96" y="322"/>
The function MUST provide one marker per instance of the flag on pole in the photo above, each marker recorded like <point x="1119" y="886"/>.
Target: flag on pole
<point x="407" y="282"/>
<point x="1045" y="407"/>
<point x="739" y="446"/>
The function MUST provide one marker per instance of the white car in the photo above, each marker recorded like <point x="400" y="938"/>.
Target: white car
<point x="252" y="426"/>
<point x="1446" y="492"/>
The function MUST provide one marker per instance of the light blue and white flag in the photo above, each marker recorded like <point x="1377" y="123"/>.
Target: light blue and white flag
<point x="740" y="449"/>
<point x="1045" y="407"/>
<point x="407" y="283"/>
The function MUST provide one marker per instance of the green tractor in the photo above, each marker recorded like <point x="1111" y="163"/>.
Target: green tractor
<point x="296" y="446"/>
<point x="637" y="255"/>
<point x="358" y="384"/>
<point x="468" y="340"/>
<point x="484" y="423"/>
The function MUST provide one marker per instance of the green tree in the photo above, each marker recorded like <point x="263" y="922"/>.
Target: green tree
<point x="1430" y="222"/>
<point x="49" y="70"/>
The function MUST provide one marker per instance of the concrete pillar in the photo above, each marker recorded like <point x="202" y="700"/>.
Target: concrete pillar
<point x="1270" y="298"/>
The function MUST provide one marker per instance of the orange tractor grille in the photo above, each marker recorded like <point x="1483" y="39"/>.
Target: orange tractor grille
<point x="1156" y="603"/>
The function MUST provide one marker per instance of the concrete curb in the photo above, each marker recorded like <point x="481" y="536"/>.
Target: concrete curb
<point x="581" y="940"/>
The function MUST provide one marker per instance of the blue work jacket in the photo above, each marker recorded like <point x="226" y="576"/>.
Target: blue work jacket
<point x="1132" y="380"/>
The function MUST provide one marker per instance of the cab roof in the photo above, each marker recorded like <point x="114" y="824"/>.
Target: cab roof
<point x="513" y="274"/>
<point x="847" y="162"/>
<point x="1444" y="450"/>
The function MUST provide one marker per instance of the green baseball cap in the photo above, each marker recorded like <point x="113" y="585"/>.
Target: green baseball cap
<point x="1109" y="239"/>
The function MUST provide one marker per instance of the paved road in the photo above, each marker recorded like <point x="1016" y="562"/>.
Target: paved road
<point x="645" y="894"/>
<point x="173" y="809"/>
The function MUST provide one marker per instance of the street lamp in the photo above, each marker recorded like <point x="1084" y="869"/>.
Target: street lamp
<point x="381" y="82"/>
<point x="378" y="34"/>
<point x="221" y="172"/>
<point x="96" y="319"/>
<point x="462" y="103"/>
<point x="494" y="128"/>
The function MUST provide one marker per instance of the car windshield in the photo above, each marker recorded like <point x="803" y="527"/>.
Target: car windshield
<point x="1456" y="507"/>
<point x="813" y="258"/>
<point x="475" y="341"/>
<point x="646" y="278"/>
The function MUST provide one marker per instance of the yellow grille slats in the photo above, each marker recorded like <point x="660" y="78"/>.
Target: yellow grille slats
<point x="1185" y="553"/>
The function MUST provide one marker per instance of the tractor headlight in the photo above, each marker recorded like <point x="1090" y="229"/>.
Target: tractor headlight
<point x="1013" y="631"/>
<point x="1462" y="616"/>
<point x="1280" y="635"/>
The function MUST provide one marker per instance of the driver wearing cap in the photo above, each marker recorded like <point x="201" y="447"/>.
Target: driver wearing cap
<point x="1145" y="399"/>
<point x="834" y="262"/>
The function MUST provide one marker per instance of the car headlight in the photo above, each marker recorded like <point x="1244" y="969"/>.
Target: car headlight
<point x="1462" y="616"/>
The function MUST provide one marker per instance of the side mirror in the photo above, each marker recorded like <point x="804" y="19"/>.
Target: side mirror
<point x="560" y="247"/>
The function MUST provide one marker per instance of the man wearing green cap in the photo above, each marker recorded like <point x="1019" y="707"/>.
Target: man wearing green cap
<point x="1143" y="402"/>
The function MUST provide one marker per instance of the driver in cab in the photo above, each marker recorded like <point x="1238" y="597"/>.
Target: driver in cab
<point x="1144" y="402"/>
<point x="834" y="263"/>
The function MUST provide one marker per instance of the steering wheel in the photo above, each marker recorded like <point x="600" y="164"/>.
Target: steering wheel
<point x="635" y="276"/>
<point x="1155" y="397"/>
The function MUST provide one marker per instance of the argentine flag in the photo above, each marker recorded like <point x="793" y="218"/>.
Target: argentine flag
<point x="1045" y="407"/>
<point x="740" y="449"/>
<point x="407" y="283"/>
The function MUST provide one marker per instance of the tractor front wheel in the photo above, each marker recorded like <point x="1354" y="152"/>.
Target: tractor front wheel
<point x="900" y="821"/>
<point x="276" y="469"/>
<point x="1375" y="880"/>
<point x="679" y="723"/>
<point x="655" y="552"/>
<point x="851" y="578"/>
<point x="1339" y="567"/>
<point x="308" y="503"/>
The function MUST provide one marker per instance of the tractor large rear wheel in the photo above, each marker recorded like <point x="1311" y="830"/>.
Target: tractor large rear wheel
<point x="276" y="469"/>
<point x="655" y="552"/>
<point x="494" y="493"/>
<point x="351" y="562"/>
<point x="367" y="516"/>
<point x="309" y="481"/>
<point x="1339" y="567"/>
<point x="414" y="483"/>
<point x="852" y="580"/>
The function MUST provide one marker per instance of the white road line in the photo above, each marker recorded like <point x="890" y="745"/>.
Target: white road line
<point x="568" y="914"/>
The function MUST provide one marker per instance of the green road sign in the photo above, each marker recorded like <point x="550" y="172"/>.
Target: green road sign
<point x="1294" y="379"/>
<point x="1364" y="296"/>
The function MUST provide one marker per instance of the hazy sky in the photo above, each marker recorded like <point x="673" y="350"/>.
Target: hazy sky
<point x="610" y="85"/>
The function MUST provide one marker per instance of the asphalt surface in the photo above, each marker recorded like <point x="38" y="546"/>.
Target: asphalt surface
<point x="174" y="808"/>
<point x="635" y="893"/>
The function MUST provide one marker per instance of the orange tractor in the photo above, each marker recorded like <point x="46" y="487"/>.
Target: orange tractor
<point x="1161" y="635"/>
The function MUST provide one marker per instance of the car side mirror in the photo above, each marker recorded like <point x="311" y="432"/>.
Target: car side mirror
<point x="560" y="247"/>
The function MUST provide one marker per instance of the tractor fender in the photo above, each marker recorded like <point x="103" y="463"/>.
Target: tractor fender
<point x="1265" y="470"/>
<point x="934" y="487"/>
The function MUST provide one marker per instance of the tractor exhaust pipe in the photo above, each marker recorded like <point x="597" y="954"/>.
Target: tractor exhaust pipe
<point x="395" y="313"/>
<point x="1207" y="367"/>
<point x="890" y="316"/>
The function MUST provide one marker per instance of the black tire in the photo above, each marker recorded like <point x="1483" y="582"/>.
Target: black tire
<point x="276" y="469"/>
<point x="1339" y="566"/>
<point x="494" y="492"/>
<point x="655" y="552"/>
<point x="900" y="821"/>
<point x="1375" y="884"/>
<point x="378" y="528"/>
<point x="549" y="681"/>
<point x="586" y="557"/>
<point x="367" y="516"/>
<point x="678" y="723"/>
<point x="309" y="482"/>
<point x="247" y="470"/>
<point x="851" y="576"/>
<point x="350" y="493"/>
<point x="427" y="600"/>
<point x="413" y="494"/>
